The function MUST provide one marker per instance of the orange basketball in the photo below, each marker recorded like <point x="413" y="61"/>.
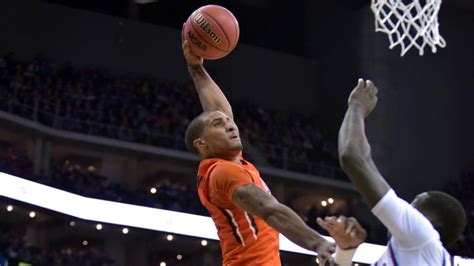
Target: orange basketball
<point x="212" y="31"/>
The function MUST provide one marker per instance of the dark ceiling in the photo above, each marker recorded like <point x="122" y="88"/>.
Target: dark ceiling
<point x="263" y="23"/>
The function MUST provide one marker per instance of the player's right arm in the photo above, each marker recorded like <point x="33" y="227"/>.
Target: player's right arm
<point x="354" y="149"/>
<point x="211" y="96"/>
<point x="255" y="201"/>
<point x="231" y="186"/>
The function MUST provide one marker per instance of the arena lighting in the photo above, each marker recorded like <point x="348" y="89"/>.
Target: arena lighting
<point x="324" y="203"/>
<point x="330" y="200"/>
<point x="144" y="217"/>
<point x="204" y="243"/>
<point x="169" y="237"/>
<point x="9" y="208"/>
<point x="153" y="190"/>
<point x="32" y="214"/>
<point x="125" y="230"/>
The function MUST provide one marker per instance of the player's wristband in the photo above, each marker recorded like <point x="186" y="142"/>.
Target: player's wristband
<point x="343" y="257"/>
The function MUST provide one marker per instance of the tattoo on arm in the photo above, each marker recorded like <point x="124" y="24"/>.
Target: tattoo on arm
<point x="254" y="200"/>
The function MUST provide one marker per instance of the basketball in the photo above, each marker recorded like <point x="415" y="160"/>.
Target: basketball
<point x="212" y="31"/>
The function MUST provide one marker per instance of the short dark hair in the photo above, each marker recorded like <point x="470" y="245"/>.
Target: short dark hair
<point x="194" y="131"/>
<point x="449" y="215"/>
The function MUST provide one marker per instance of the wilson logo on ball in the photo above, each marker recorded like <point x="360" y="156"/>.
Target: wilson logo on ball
<point x="202" y="22"/>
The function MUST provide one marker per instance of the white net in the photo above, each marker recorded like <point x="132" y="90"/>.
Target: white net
<point x="414" y="24"/>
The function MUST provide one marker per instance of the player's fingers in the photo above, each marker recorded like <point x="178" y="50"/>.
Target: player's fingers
<point x="322" y="261"/>
<point x="320" y="221"/>
<point x="324" y="257"/>
<point x="356" y="223"/>
<point x="323" y="224"/>
<point x="361" y="232"/>
<point x="328" y="253"/>
<point x="332" y="249"/>
<point x="372" y="88"/>
<point x="330" y="219"/>
<point x="357" y="229"/>
<point x="341" y="219"/>
<point x="340" y="223"/>
<point x="334" y="221"/>
<point x="182" y="35"/>
<point x="350" y="224"/>
<point x="360" y="84"/>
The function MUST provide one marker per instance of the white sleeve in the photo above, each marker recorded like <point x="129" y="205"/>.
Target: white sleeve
<point x="409" y="228"/>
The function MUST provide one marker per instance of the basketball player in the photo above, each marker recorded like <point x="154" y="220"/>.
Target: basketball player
<point x="248" y="218"/>
<point x="418" y="231"/>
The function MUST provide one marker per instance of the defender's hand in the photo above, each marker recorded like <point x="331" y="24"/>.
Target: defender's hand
<point x="364" y="96"/>
<point x="347" y="232"/>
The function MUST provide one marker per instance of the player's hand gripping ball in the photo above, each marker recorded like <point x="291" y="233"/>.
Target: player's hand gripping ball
<point x="212" y="32"/>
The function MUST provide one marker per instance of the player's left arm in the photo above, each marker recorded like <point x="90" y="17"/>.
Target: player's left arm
<point x="256" y="201"/>
<point x="354" y="149"/>
<point x="210" y="95"/>
<point x="406" y="224"/>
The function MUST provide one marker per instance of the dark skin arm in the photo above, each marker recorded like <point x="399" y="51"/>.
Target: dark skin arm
<point x="255" y="201"/>
<point x="211" y="96"/>
<point x="354" y="149"/>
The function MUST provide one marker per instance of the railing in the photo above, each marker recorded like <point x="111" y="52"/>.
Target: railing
<point x="88" y="127"/>
<point x="47" y="113"/>
<point x="281" y="157"/>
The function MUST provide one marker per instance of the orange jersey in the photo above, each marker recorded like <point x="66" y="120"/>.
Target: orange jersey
<point x="245" y="239"/>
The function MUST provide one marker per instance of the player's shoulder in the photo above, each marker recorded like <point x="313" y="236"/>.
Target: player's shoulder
<point x="213" y="167"/>
<point x="206" y="165"/>
<point x="224" y="167"/>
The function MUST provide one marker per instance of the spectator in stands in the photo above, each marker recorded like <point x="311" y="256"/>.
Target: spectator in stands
<point x="92" y="101"/>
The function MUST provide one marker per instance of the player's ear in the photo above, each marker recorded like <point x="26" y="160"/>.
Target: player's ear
<point x="199" y="143"/>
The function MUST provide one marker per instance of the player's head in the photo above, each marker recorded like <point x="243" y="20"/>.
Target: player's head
<point x="445" y="213"/>
<point x="213" y="134"/>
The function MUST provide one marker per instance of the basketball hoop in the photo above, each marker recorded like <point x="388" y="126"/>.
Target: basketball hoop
<point x="409" y="25"/>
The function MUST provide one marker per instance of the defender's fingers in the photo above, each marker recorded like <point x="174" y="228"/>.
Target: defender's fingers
<point x="324" y="224"/>
<point x="351" y="224"/>
<point x="360" y="83"/>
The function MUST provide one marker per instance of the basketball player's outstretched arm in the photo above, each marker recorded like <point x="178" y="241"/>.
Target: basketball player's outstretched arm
<point x="354" y="149"/>
<point x="210" y="94"/>
<point x="255" y="201"/>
